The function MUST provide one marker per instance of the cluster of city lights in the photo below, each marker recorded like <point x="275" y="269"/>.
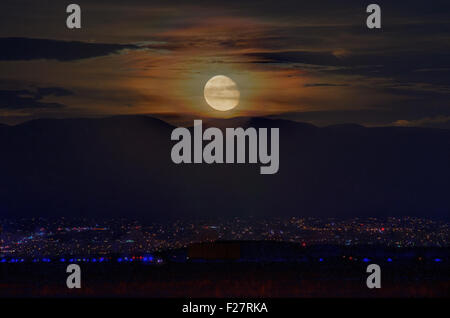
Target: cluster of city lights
<point x="148" y="259"/>
<point x="142" y="259"/>
<point x="389" y="259"/>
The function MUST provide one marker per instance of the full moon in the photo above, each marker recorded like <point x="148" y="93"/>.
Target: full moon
<point x="221" y="93"/>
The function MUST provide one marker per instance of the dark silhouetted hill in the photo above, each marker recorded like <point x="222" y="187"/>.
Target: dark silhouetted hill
<point x="121" y="166"/>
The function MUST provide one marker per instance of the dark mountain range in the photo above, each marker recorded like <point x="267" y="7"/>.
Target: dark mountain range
<point x="121" y="166"/>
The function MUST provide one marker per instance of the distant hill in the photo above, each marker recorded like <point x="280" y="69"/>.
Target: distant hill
<point x="345" y="126"/>
<point x="121" y="166"/>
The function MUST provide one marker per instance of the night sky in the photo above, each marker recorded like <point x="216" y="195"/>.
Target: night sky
<point x="309" y="61"/>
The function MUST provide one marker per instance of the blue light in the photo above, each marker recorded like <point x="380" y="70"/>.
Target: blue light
<point x="119" y="260"/>
<point x="62" y="260"/>
<point x="320" y="259"/>
<point x="101" y="259"/>
<point x="437" y="260"/>
<point x="22" y="260"/>
<point x="389" y="259"/>
<point x="71" y="260"/>
<point x="3" y="260"/>
<point x="366" y="260"/>
<point x="145" y="259"/>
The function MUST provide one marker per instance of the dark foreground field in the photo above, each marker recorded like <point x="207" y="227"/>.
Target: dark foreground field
<point x="226" y="280"/>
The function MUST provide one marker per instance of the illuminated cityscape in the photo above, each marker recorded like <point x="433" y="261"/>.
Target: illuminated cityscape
<point x="63" y="237"/>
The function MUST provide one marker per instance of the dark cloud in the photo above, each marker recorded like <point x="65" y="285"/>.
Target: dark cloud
<point x="15" y="49"/>
<point x="419" y="66"/>
<point x="54" y="91"/>
<point x="300" y="57"/>
<point x="403" y="65"/>
<point x="324" y="85"/>
<point x="28" y="99"/>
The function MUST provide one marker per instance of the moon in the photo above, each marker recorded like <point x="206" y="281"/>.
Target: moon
<point x="221" y="93"/>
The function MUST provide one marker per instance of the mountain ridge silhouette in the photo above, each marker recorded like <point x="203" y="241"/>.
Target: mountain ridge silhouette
<point x="121" y="166"/>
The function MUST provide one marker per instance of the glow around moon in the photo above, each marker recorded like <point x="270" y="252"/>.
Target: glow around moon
<point x="221" y="93"/>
